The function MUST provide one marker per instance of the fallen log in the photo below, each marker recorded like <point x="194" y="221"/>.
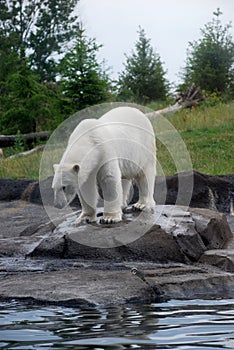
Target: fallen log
<point x="27" y="153"/>
<point x="187" y="99"/>
<point x="10" y="140"/>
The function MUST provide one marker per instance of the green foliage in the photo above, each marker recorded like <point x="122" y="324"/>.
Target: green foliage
<point x="27" y="105"/>
<point x="38" y="29"/>
<point x="20" y="143"/>
<point x="143" y="79"/>
<point x="32" y="34"/>
<point x="211" y="99"/>
<point x="211" y="149"/>
<point x="83" y="80"/>
<point x="210" y="59"/>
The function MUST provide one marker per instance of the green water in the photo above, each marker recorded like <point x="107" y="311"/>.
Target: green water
<point x="176" y="324"/>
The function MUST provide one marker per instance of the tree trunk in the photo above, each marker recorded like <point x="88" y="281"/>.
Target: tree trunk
<point x="188" y="99"/>
<point x="165" y="111"/>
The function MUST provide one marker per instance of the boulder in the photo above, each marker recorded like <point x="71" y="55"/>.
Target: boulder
<point x="144" y="258"/>
<point x="13" y="189"/>
<point x="222" y="258"/>
<point x="212" y="227"/>
<point x="172" y="233"/>
<point x="211" y="192"/>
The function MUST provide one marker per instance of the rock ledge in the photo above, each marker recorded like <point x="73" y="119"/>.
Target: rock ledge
<point x="183" y="253"/>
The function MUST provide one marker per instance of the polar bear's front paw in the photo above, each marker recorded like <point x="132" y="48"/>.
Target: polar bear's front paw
<point x="111" y="218"/>
<point x="85" y="218"/>
<point x="140" y="206"/>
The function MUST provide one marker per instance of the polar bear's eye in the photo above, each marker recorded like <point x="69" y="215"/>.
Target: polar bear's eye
<point x="64" y="188"/>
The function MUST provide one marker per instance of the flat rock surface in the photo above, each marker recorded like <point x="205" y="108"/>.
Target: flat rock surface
<point x="66" y="281"/>
<point x="47" y="263"/>
<point x="19" y="217"/>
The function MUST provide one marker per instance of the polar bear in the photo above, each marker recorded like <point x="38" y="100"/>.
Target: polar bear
<point x="109" y="153"/>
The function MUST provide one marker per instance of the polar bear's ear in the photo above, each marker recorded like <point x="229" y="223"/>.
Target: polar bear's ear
<point x="76" y="168"/>
<point x="55" y="166"/>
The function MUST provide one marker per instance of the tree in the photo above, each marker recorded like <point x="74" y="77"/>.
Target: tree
<point x="26" y="105"/>
<point x="143" y="79"/>
<point x="83" y="80"/>
<point x="38" y="29"/>
<point x="32" y="35"/>
<point x="210" y="59"/>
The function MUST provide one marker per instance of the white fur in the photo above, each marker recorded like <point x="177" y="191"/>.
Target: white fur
<point x="111" y="152"/>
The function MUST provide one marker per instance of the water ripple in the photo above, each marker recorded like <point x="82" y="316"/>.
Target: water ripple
<point x="176" y="324"/>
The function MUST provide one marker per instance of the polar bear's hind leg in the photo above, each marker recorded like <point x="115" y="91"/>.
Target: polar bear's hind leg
<point x="126" y="185"/>
<point x="145" y="183"/>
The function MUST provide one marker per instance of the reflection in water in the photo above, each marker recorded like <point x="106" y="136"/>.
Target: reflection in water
<point x="197" y="324"/>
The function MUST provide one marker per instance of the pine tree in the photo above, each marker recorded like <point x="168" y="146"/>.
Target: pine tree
<point x="38" y="29"/>
<point x="83" y="80"/>
<point x="210" y="59"/>
<point x="27" y="105"/>
<point x="143" y="79"/>
<point x="32" y="34"/>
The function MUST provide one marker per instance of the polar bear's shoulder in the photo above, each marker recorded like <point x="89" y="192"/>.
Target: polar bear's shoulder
<point x="86" y="125"/>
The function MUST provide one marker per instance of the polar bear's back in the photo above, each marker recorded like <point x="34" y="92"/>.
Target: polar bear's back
<point x="128" y="123"/>
<point x="131" y="137"/>
<point x="127" y="116"/>
<point x="116" y="122"/>
<point x="122" y="133"/>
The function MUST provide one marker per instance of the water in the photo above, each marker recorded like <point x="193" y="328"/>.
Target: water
<point x="176" y="324"/>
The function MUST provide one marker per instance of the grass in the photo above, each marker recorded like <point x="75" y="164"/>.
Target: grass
<point x="211" y="150"/>
<point x="22" y="167"/>
<point x="204" y="118"/>
<point x="209" y="137"/>
<point x="207" y="133"/>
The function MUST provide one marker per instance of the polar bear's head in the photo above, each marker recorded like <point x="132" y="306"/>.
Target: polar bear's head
<point x="65" y="184"/>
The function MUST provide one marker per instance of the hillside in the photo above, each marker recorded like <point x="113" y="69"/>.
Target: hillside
<point x="209" y="137"/>
<point x="207" y="133"/>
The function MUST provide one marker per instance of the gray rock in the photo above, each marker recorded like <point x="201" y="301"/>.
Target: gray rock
<point x="211" y="192"/>
<point x="172" y="233"/>
<point x="14" y="189"/>
<point x="114" y="283"/>
<point x="222" y="258"/>
<point x="19" y="218"/>
<point x="212" y="227"/>
<point x="172" y="259"/>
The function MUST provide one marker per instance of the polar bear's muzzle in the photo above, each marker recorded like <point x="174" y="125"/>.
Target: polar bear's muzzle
<point x="64" y="196"/>
<point x="60" y="200"/>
